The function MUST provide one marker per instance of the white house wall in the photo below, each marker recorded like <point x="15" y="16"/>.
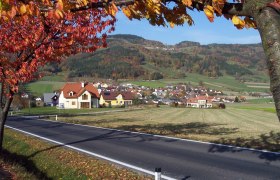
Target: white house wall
<point x="67" y="103"/>
<point x="81" y="100"/>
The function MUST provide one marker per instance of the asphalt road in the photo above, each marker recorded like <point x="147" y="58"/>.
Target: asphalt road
<point x="178" y="159"/>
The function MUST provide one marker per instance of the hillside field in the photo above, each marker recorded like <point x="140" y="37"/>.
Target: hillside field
<point x="224" y="83"/>
<point x="38" y="88"/>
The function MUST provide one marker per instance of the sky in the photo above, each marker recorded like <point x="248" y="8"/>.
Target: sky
<point x="204" y="32"/>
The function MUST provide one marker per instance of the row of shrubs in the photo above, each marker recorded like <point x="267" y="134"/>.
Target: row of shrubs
<point x="214" y="106"/>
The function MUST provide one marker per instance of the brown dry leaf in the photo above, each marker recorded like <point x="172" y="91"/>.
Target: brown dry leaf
<point x="249" y="23"/>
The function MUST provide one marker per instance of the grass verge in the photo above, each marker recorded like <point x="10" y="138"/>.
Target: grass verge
<point x="65" y="112"/>
<point x="29" y="158"/>
<point x="266" y="109"/>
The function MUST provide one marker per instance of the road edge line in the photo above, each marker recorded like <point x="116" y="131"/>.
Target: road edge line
<point x="93" y="154"/>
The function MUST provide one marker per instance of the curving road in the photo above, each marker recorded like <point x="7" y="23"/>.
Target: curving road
<point x="179" y="159"/>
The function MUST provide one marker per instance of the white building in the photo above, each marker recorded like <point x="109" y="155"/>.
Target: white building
<point x="78" y="96"/>
<point x="200" y="102"/>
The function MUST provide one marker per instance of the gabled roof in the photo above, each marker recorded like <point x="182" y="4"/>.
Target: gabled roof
<point x="48" y="97"/>
<point x="107" y="95"/>
<point x="195" y="99"/>
<point x="77" y="89"/>
<point x="127" y="95"/>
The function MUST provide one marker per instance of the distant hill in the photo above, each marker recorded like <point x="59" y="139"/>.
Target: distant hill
<point x="130" y="56"/>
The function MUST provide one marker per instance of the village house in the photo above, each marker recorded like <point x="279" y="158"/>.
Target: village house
<point x="108" y="98"/>
<point x="200" y="102"/>
<point x="50" y="99"/>
<point x="78" y="96"/>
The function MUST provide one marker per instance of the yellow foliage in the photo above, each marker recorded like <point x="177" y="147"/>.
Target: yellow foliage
<point x="126" y="12"/>
<point x="235" y="20"/>
<point x="58" y="14"/>
<point x="112" y="9"/>
<point x="22" y="9"/>
<point x="239" y="23"/>
<point x="209" y="12"/>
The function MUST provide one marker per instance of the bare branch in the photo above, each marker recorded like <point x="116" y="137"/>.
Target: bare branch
<point x="236" y="9"/>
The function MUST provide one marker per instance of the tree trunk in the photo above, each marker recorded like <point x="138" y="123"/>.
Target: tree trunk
<point x="3" y="117"/>
<point x="268" y="21"/>
<point x="2" y="123"/>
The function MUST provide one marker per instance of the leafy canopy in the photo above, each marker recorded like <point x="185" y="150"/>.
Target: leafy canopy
<point x="31" y="37"/>
<point x="158" y="12"/>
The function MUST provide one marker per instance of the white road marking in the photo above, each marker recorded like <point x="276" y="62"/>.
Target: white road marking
<point x="93" y="154"/>
<point x="174" y="138"/>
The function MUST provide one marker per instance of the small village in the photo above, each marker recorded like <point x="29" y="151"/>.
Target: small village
<point x="82" y="95"/>
<point x="139" y="89"/>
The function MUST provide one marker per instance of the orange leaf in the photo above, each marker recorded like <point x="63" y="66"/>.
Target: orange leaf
<point x="171" y="24"/>
<point x="127" y="12"/>
<point x="187" y="2"/>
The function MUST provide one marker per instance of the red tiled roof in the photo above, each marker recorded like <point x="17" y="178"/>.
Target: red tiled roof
<point x="109" y="95"/>
<point x="195" y="100"/>
<point x="127" y="95"/>
<point x="78" y="90"/>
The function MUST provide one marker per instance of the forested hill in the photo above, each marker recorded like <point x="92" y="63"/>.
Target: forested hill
<point x="130" y="56"/>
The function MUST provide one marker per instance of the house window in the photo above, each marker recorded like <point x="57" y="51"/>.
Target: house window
<point x="84" y="97"/>
<point x="71" y="94"/>
<point x="73" y="103"/>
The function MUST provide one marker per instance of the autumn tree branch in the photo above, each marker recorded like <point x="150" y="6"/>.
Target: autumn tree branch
<point x="229" y="8"/>
<point x="102" y="4"/>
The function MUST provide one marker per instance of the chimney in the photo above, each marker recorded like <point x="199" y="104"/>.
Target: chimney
<point x="83" y="84"/>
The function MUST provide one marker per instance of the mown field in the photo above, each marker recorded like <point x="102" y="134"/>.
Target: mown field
<point x="25" y="157"/>
<point x="250" y="125"/>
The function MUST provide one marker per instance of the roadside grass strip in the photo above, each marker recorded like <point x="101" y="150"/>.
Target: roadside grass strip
<point x="97" y="155"/>
<point x="26" y="157"/>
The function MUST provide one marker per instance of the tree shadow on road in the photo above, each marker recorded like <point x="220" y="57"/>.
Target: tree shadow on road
<point x="101" y="121"/>
<point x="270" y="141"/>
<point x="161" y="129"/>
<point x="181" y="129"/>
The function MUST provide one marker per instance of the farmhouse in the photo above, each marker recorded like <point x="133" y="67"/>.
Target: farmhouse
<point x="78" y="96"/>
<point x="108" y="98"/>
<point x="200" y="102"/>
